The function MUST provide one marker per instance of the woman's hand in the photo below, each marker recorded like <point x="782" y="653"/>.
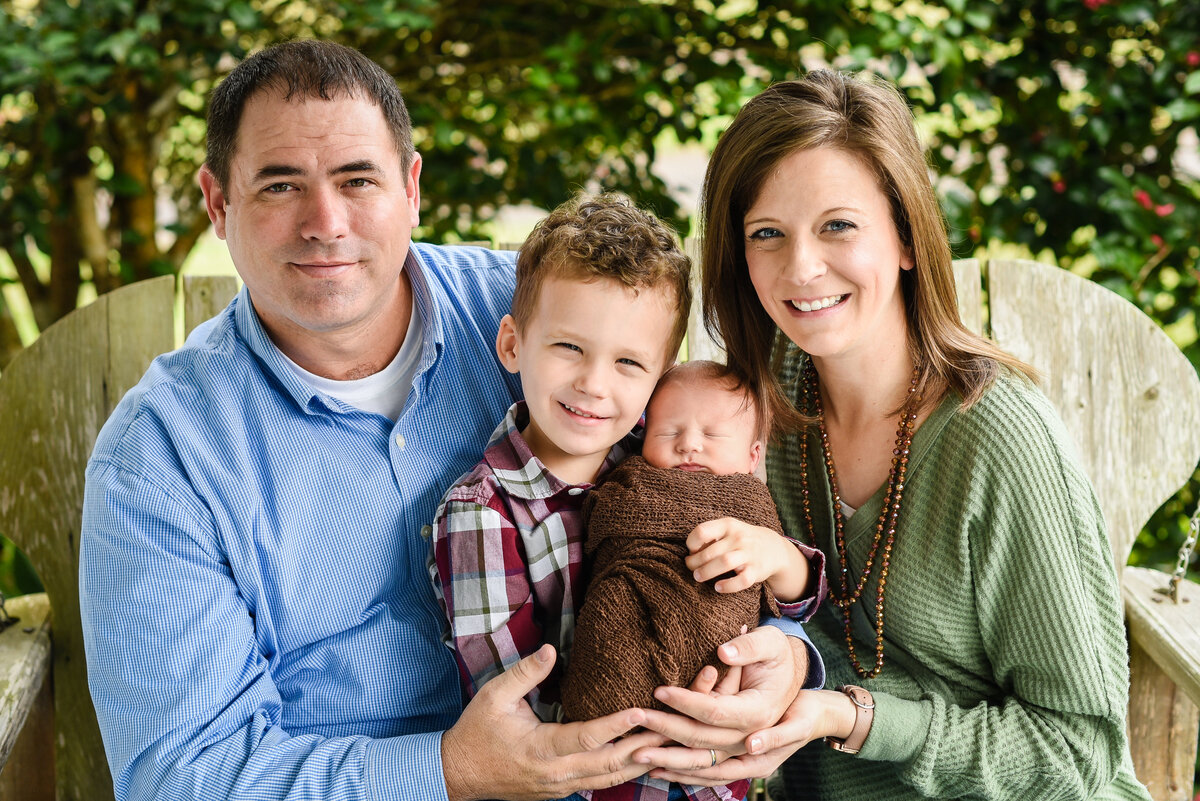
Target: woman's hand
<point x="814" y="714"/>
<point x="751" y="553"/>
<point x="773" y="667"/>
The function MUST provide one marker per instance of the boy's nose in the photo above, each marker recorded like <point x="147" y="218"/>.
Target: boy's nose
<point x="590" y="381"/>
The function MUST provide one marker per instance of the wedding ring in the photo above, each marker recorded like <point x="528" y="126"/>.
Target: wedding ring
<point x="712" y="753"/>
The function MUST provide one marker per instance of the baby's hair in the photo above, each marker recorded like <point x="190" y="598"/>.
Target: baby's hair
<point x="604" y="236"/>
<point x="705" y="371"/>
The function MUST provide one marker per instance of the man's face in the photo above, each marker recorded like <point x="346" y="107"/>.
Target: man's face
<point x="318" y="216"/>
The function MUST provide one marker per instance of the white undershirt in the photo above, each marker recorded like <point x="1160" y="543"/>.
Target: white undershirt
<point x="382" y="393"/>
<point x="847" y="510"/>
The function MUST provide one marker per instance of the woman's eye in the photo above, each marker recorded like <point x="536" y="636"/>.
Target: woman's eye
<point x="765" y="233"/>
<point x="838" y="226"/>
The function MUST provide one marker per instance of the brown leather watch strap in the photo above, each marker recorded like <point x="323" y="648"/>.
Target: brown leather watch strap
<point x="864" y="707"/>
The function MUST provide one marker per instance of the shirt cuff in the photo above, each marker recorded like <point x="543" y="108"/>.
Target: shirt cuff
<point x="804" y="608"/>
<point x="406" y="767"/>
<point x="898" y="730"/>
<point x="815" y="679"/>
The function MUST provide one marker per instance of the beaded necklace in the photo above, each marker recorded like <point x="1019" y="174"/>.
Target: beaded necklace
<point x="887" y="516"/>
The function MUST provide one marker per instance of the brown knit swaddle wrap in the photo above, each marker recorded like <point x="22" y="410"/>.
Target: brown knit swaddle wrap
<point x="645" y="620"/>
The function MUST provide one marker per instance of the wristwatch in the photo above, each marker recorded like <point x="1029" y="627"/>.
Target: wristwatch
<point x="864" y="714"/>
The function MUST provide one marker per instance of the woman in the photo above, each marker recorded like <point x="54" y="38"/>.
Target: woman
<point x="974" y="614"/>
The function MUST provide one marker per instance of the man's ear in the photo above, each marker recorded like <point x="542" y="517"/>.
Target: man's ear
<point x="508" y="344"/>
<point x="214" y="199"/>
<point x="412" y="191"/>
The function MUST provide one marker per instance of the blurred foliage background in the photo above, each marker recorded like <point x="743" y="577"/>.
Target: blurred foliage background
<point x="1063" y="130"/>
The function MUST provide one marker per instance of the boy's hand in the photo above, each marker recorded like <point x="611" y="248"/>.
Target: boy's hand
<point x="751" y="553"/>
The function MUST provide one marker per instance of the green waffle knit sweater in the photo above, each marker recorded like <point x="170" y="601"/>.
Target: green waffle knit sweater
<point x="1006" y="674"/>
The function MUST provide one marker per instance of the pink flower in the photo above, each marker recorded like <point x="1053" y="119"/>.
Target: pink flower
<point x="1193" y="58"/>
<point x="1157" y="240"/>
<point x="1095" y="4"/>
<point x="1059" y="186"/>
<point x="1143" y="198"/>
<point x="1164" y="210"/>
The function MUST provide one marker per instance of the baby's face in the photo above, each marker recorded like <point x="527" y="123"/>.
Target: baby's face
<point x="700" y="425"/>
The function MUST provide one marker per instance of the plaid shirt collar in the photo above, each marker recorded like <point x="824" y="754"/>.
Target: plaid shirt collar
<point x="522" y="475"/>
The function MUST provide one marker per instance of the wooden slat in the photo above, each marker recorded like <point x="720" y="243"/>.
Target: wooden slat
<point x="204" y="296"/>
<point x="1127" y="394"/>
<point x="55" y="396"/>
<point x="1169" y="632"/>
<point x="1162" y="730"/>
<point x="968" y="282"/>
<point x="24" y="664"/>
<point x="699" y="344"/>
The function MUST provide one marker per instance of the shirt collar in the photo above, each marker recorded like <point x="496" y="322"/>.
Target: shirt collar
<point x="521" y="474"/>
<point x="250" y="328"/>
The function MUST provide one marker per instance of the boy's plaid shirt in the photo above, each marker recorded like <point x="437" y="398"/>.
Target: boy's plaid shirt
<point x="507" y="569"/>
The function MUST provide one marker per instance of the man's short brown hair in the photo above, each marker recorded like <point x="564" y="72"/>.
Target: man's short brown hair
<point x="604" y="236"/>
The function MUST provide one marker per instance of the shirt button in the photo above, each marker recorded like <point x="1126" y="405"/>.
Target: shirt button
<point x="400" y="441"/>
<point x="426" y="531"/>
<point x="575" y="491"/>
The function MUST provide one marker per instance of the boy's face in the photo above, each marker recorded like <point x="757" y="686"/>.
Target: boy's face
<point x="701" y="426"/>
<point x="589" y="358"/>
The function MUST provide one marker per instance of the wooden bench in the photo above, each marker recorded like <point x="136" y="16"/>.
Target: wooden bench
<point x="1128" y="395"/>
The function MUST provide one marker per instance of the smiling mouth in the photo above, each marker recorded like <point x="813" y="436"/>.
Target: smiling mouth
<point x="818" y="304"/>
<point x="581" y="412"/>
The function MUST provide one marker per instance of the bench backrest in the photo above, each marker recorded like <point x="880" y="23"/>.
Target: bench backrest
<point x="1127" y="394"/>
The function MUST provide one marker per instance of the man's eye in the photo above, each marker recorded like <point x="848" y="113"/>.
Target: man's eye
<point x="358" y="182"/>
<point x="278" y="189"/>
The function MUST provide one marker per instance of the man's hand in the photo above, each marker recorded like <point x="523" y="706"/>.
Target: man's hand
<point x="499" y="749"/>
<point x="773" y="670"/>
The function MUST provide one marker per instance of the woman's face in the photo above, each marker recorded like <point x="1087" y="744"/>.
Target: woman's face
<point x="825" y="258"/>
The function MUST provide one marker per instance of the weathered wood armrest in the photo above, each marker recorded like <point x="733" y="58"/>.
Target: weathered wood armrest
<point x="24" y="664"/>
<point x="1168" y="632"/>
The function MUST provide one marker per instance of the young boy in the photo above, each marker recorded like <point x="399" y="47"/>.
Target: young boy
<point x="598" y="314"/>
<point x="672" y="573"/>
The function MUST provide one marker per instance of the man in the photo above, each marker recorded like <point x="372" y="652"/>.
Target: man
<point x="258" y="619"/>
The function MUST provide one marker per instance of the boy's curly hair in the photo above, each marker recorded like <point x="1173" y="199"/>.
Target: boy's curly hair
<point x="604" y="236"/>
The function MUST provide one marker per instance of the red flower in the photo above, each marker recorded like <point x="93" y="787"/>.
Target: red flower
<point x="1164" y="210"/>
<point x="1143" y="198"/>
<point x="1157" y="240"/>
<point x="1094" y="4"/>
<point x="1193" y="58"/>
<point x="1059" y="186"/>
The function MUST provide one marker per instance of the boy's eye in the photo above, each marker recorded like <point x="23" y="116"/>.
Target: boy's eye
<point x="629" y="362"/>
<point x="568" y="346"/>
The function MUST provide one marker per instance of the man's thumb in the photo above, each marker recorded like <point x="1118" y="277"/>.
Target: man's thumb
<point x="519" y="680"/>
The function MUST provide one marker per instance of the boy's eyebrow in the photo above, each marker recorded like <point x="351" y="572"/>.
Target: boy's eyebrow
<point x="288" y="170"/>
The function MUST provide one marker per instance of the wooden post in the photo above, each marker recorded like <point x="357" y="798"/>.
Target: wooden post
<point x="1162" y="730"/>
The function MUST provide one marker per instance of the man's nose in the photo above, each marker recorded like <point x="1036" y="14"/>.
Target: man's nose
<point x="325" y="216"/>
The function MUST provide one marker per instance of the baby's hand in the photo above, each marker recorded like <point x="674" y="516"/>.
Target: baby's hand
<point x="750" y="553"/>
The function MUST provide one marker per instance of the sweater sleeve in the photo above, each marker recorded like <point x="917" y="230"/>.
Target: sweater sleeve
<point x="1050" y="619"/>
